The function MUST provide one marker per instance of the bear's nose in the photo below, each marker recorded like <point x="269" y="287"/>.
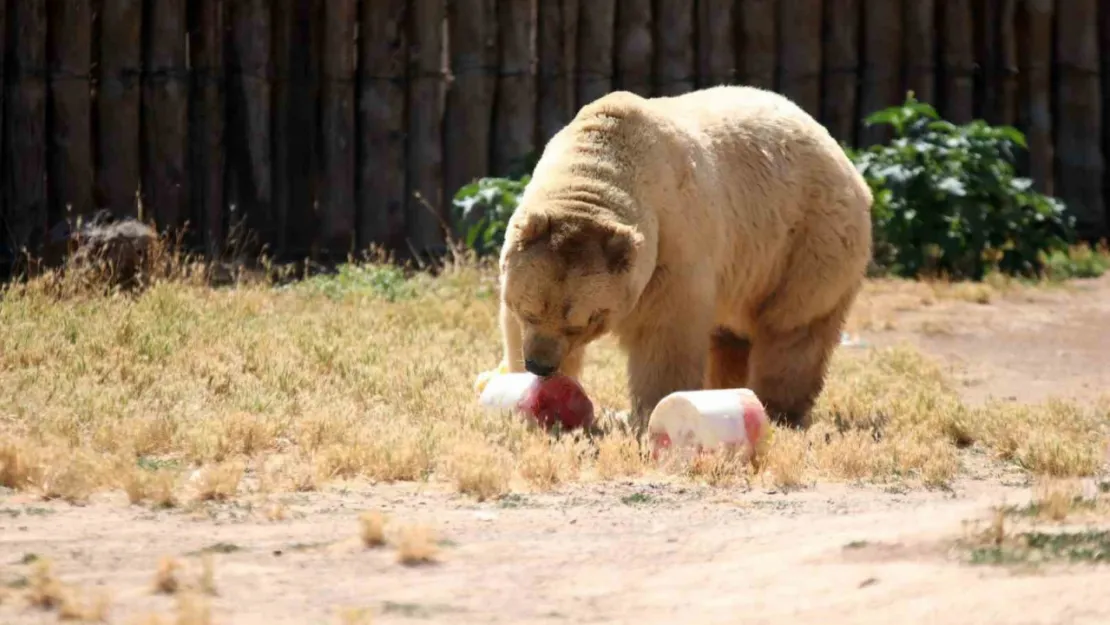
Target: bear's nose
<point x="539" y="369"/>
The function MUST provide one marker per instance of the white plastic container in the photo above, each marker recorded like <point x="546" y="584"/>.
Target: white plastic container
<point x="708" y="420"/>
<point x="503" y="391"/>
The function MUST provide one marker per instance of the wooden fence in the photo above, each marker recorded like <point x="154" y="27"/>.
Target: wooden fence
<point x="324" y="126"/>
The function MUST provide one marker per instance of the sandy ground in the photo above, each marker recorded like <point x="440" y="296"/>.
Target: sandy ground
<point x="636" y="552"/>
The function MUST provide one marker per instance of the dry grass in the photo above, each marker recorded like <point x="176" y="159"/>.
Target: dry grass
<point x="46" y="591"/>
<point x="187" y="392"/>
<point x="165" y="578"/>
<point x="356" y="616"/>
<point x="170" y="580"/>
<point x="416" y="544"/>
<point x="372" y="529"/>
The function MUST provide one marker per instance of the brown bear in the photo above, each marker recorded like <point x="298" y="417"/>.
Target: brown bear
<point x="722" y="236"/>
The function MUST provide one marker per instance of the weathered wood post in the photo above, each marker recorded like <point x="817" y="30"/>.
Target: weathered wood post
<point x="383" y="66"/>
<point x="467" y="121"/>
<point x="839" y="109"/>
<point x="634" y="46"/>
<point x="424" y="206"/>
<point x="70" y="158"/>
<point x="799" y="53"/>
<point x="557" y="51"/>
<point x="514" y="117"/>
<point x="206" y="123"/>
<point x="117" y="105"/>
<point x="165" y="88"/>
<point x="338" y="234"/>
<point x="596" y="20"/>
<point x="1080" y="164"/>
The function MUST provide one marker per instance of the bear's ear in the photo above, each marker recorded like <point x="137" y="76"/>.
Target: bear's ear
<point x="531" y="228"/>
<point x="619" y="245"/>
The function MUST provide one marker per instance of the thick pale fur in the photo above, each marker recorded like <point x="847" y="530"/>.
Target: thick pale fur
<point x="721" y="235"/>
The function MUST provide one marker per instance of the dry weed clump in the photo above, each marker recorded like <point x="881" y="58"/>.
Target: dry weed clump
<point x="168" y="579"/>
<point x="369" y="374"/>
<point x="46" y="592"/>
<point x="416" y="544"/>
<point x="372" y="529"/>
<point x="480" y="470"/>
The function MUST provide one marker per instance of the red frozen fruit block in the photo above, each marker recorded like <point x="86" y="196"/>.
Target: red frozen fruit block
<point x="557" y="399"/>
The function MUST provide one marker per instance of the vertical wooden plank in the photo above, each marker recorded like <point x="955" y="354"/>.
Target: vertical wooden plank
<point x="296" y="101"/>
<point x="675" y="69"/>
<point x="596" y="20"/>
<point x="338" y="234"/>
<point x="1104" y="53"/>
<point x="957" y="61"/>
<point x="165" y="104"/>
<point x="248" y="128"/>
<point x="206" y="123"/>
<point x="1080" y="163"/>
<point x="799" y="50"/>
<point x="920" y="16"/>
<point x="758" y="36"/>
<point x="984" y="15"/>
<point x="382" y="67"/>
<point x="1006" y="59"/>
<point x="996" y="55"/>
<point x="1034" y="30"/>
<point x="882" y="63"/>
<point x="467" y="120"/>
<point x="424" y="206"/>
<point x="70" y="154"/>
<point x="634" y="46"/>
<point x="117" y="105"/>
<point x="7" y="244"/>
<point x="715" y="50"/>
<point x="841" y="68"/>
<point x="994" y="94"/>
<point x="25" y="187"/>
<point x="556" y="34"/>
<point x="514" y="116"/>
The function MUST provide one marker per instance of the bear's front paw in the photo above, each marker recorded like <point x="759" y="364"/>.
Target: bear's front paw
<point x="485" y="376"/>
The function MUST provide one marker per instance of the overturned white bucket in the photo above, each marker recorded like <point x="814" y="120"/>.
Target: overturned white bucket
<point x="709" y="420"/>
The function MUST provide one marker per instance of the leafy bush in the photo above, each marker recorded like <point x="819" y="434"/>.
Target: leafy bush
<point x="947" y="200"/>
<point x="482" y="209"/>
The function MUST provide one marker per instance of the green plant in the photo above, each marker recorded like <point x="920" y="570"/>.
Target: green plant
<point x="386" y="282"/>
<point x="1077" y="261"/>
<point x="482" y="210"/>
<point x="948" y="200"/>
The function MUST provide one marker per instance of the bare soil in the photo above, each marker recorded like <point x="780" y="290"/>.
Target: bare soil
<point x="626" y="552"/>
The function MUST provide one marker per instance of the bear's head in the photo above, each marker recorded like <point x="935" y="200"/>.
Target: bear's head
<point x="566" y="279"/>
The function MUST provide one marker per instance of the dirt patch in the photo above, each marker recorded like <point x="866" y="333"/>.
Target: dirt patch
<point x="1025" y="346"/>
<point x="637" y="550"/>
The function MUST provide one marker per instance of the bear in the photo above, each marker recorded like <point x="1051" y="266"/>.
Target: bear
<point x="721" y="236"/>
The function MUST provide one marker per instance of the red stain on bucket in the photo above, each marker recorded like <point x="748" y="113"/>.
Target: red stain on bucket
<point x="660" y="441"/>
<point x="753" y="422"/>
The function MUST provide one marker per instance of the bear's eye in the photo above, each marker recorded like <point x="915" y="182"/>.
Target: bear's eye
<point x="529" y="319"/>
<point x="573" y="331"/>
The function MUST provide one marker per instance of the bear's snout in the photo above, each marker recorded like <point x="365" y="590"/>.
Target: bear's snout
<point x="538" y="368"/>
<point x="542" y="354"/>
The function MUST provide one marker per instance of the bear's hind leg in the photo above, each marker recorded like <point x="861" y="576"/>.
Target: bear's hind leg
<point x="788" y="368"/>
<point x="728" y="360"/>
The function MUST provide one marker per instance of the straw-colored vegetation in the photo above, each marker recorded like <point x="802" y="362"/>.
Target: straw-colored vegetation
<point x="185" y="393"/>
